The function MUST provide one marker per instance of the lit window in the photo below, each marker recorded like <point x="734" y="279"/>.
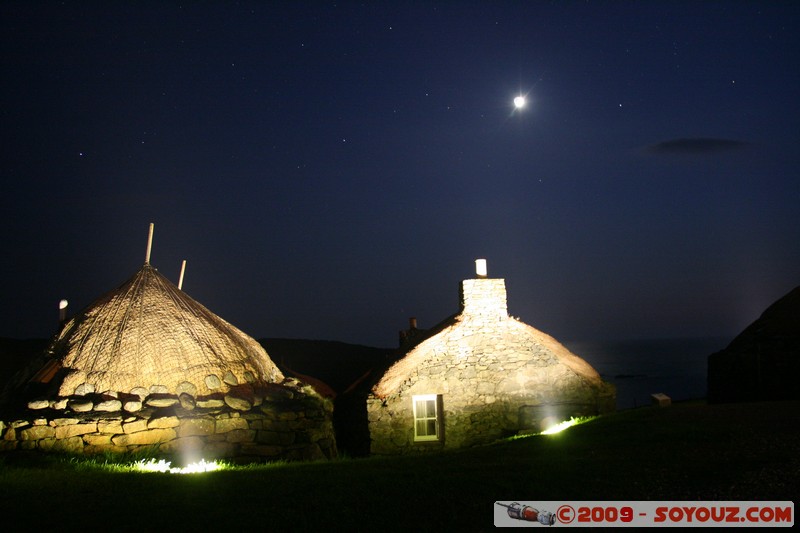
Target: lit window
<point x="427" y="417"/>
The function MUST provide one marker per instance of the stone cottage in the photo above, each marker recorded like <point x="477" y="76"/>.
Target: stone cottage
<point x="147" y="368"/>
<point x="479" y="376"/>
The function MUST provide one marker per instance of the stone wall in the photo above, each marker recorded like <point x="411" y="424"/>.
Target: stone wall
<point x="273" y="422"/>
<point x="497" y="377"/>
<point x="484" y="297"/>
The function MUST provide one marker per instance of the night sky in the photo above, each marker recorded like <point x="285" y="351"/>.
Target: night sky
<point x="328" y="170"/>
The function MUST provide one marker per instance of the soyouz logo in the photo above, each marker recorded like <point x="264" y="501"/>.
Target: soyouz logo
<point x="644" y="514"/>
<point x="531" y="514"/>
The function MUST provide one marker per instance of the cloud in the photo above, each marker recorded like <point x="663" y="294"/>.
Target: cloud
<point x="696" y="146"/>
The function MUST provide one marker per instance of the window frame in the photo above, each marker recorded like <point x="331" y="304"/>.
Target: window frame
<point x="437" y="417"/>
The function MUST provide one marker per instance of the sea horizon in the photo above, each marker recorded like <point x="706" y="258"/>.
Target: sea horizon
<point x="639" y="368"/>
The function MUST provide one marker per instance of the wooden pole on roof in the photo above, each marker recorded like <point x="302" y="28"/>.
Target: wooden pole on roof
<point x="149" y="245"/>
<point x="183" y="269"/>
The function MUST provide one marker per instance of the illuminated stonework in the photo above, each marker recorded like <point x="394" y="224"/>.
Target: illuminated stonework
<point x="286" y="421"/>
<point x="147" y="368"/>
<point x="495" y="377"/>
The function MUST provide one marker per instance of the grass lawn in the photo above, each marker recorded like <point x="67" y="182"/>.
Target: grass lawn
<point x="688" y="451"/>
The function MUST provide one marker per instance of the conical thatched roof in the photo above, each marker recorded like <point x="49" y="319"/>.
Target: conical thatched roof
<point x="537" y="357"/>
<point x="149" y="334"/>
<point x="505" y="349"/>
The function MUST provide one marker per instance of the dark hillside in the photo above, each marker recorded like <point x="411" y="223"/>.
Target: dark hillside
<point x="763" y="361"/>
<point x="337" y="364"/>
<point x="16" y="353"/>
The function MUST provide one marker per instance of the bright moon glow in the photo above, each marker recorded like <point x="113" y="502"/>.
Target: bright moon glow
<point x="164" y="467"/>
<point x="519" y="102"/>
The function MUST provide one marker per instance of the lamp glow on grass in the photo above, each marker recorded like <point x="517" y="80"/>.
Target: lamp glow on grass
<point x="561" y="426"/>
<point x="166" y="467"/>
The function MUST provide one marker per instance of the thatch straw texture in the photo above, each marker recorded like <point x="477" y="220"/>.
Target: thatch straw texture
<point x="510" y="339"/>
<point x="147" y="333"/>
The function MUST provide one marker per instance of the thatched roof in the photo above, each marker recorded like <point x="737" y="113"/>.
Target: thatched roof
<point x="495" y="346"/>
<point x="525" y="341"/>
<point x="148" y="333"/>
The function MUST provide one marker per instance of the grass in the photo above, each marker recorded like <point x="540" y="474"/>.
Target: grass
<point x="689" y="451"/>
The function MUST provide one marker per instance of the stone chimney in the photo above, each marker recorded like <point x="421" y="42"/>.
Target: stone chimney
<point x="484" y="297"/>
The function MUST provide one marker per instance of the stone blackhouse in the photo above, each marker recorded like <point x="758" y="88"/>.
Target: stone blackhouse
<point x="479" y="376"/>
<point x="145" y="368"/>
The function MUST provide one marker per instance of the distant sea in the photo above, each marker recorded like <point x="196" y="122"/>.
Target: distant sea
<point x="640" y="368"/>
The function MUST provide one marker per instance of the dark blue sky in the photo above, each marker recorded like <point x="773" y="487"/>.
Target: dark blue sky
<point x="330" y="170"/>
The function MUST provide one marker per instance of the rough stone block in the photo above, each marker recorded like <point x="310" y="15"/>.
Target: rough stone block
<point x="95" y="439"/>
<point x="187" y="401"/>
<point x="161" y="401"/>
<point x="37" y="432"/>
<point x="64" y="421"/>
<point x="70" y="445"/>
<point x="84" y="388"/>
<point x="132" y="406"/>
<point x="219" y="449"/>
<point x="210" y="403"/>
<point x="59" y="404"/>
<point x="134" y="426"/>
<point x="196" y="426"/>
<point x="225" y="425"/>
<point x="38" y="404"/>
<point x="163" y="422"/>
<point x="186" y="387"/>
<point x="213" y="382"/>
<point x="143" y="438"/>
<point x="230" y="379"/>
<point x="109" y="426"/>
<point x="141" y="392"/>
<point x="80" y="406"/>
<point x="240" y="435"/>
<point x="239" y="404"/>
<point x="65" y="432"/>
<point x="108" y="406"/>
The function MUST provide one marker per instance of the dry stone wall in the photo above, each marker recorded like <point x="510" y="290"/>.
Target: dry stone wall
<point x="496" y="376"/>
<point x="271" y="422"/>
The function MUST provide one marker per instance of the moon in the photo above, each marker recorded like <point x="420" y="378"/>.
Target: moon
<point x="519" y="102"/>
